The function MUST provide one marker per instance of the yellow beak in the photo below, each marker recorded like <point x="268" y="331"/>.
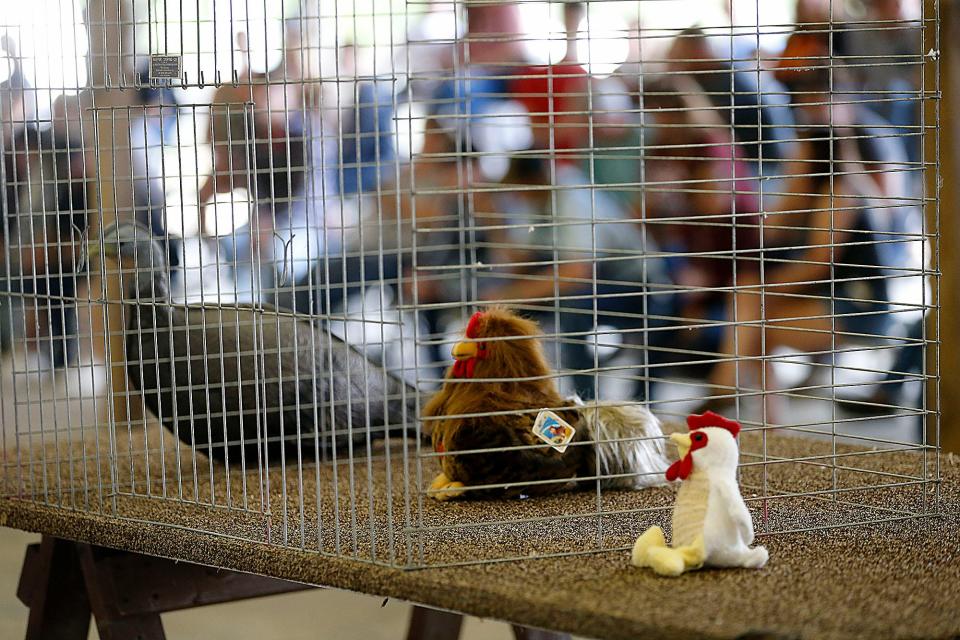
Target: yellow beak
<point x="683" y="442"/>
<point x="464" y="350"/>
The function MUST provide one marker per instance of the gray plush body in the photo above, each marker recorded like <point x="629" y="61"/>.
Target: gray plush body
<point x="242" y="380"/>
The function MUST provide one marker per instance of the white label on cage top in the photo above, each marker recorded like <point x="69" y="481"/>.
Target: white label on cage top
<point x="165" y="67"/>
<point x="553" y="430"/>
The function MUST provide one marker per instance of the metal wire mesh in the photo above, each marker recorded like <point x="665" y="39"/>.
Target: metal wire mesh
<point x="738" y="213"/>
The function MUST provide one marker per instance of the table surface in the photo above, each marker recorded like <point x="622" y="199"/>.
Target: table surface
<point x="898" y="579"/>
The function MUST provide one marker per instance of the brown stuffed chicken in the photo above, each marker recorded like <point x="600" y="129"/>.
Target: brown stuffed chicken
<point x="484" y="422"/>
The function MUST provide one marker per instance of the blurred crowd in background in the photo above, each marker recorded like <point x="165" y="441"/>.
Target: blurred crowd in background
<point x="633" y="207"/>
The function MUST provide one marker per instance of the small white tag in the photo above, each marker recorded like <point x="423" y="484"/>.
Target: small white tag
<point x="165" y="67"/>
<point x="553" y="430"/>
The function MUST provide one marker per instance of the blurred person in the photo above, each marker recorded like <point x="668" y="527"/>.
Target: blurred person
<point x="494" y="34"/>
<point x="635" y="65"/>
<point x="557" y="96"/>
<point x="880" y="44"/>
<point x="824" y="96"/>
<point x="615" y="159"/>
<point x="536" y="217"/>
<point x="17" y="108"/>
<point x="882" y="50"/>
<point x="265" y="139"/>
<point x="152" y="128"/>
<point x="478" y="84"/>
<point x="17" y="102"/>
<point x="754" y="108"/>
<point x="15" y="111"/>
<point x="368" y="137"/>
<point x="820" y="12"/>
<point x="282" y="157"/>
<point x="432" y="47"/>
<point x="890" y="32"/>
<point x="709" y="223"/>
<point x="821" y="268"/>
<point x="377" y="243"/>
<point x="394" y="243"/>
<point x="47" y="221"/>
<point x="889" y="393"/>
<point x="557" y="244"/>
<point x="257" y="131"/>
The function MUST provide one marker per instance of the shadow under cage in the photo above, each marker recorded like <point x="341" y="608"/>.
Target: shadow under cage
<point x="320" y="275"/>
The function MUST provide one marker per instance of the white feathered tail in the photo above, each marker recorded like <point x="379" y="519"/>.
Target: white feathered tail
<point x="630" y="444"/>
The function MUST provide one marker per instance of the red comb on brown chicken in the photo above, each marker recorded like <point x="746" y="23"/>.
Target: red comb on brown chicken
<point x="489" y="402"/>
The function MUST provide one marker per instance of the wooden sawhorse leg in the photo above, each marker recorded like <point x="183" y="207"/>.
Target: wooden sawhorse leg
<point x="64" y="582"/>
<point x="51" y="584"/>
<point x="529" y="633"/>
<point x="433" y="624"/>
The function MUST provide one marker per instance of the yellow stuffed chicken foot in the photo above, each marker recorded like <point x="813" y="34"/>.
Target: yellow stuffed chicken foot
<point x="443" y="488"/>
<point x="651" y="550"/>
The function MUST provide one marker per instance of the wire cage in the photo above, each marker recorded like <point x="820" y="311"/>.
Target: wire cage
<point x="240" y="241"/>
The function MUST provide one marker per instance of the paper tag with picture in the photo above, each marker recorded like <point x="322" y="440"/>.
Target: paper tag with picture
<point x="553" y="430"/>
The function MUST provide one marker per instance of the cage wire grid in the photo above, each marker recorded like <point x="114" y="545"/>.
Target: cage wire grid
<point x="230" y="289"/>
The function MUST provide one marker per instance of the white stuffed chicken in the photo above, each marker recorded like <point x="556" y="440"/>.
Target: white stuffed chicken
<point x="711" y="524"/>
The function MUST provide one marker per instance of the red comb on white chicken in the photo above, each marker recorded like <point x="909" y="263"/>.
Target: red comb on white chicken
<point x="711" y="419"/>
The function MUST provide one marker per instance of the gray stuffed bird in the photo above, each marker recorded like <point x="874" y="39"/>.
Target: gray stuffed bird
<point x="241" y="380"/>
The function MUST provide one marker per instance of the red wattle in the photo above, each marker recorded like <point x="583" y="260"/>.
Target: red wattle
<point x="464" y="368"/>
<point x="680" y="469"/>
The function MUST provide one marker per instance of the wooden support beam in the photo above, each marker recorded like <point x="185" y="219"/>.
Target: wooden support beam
<point x="64" y="582"/>
<point x="52" y="585"/>
<point x="143" y="584"/>
<point x="529" y="633"/>
<point x="944" y="184"/>
<point x="433" y="624"/>
<point x="108" y="135"/>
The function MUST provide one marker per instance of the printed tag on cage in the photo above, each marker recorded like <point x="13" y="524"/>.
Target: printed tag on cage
<point x="166" y="67"/>
<point x="553" y="430"/>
